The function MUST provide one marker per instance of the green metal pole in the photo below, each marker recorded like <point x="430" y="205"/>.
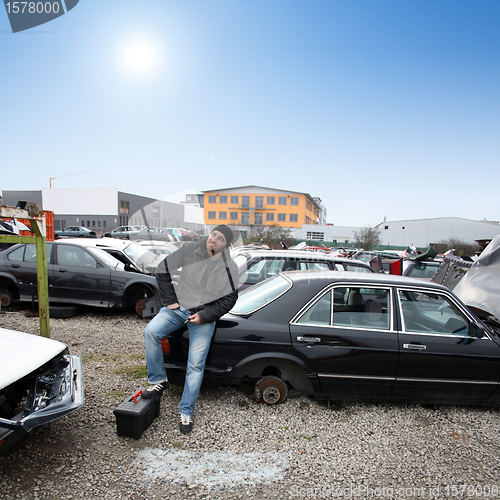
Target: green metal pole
<point x="42" y="280"/>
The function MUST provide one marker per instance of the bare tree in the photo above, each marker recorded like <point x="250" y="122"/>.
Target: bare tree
<point x="460" y="247"/>
<point x="368" y="237"/>
<point x="272" y="235"/>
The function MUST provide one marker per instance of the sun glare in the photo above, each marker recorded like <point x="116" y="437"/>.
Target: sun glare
<point x="140" y="58"/>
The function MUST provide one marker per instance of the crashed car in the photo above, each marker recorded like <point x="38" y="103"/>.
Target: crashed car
<point x="354" y="336"/>
<point x="135" y="257"/>
<point x="479" y="287"/>
<point x="39" y="382"/>
<point x="78" y="274"/>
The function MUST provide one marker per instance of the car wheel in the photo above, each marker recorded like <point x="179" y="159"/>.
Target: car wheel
<point x="140" y="305"/>
<point x="6" y="299"/>
<point x="63" y="311"/>
<point x="270" y="390"/>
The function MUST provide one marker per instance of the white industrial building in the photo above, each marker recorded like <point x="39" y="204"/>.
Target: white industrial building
<point x="425" y="232"/>
<point x="420" y="233"/>
<point x="103" y="209"/>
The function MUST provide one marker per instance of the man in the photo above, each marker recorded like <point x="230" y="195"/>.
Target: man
<point x="208" y="289"/>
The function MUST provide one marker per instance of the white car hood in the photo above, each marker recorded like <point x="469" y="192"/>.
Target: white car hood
<point x="23" y="352"/>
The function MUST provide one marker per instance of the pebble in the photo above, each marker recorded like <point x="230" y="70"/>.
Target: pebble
<point x="239" y="448"/>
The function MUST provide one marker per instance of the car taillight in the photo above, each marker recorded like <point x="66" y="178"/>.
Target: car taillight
<point x="165" y="346"/>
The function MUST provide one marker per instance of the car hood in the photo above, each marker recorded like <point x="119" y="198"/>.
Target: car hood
<point x="23" y="352"/>
<point x="480" y="287"/>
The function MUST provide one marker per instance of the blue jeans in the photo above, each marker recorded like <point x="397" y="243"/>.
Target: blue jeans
<point x="162" y="325"/>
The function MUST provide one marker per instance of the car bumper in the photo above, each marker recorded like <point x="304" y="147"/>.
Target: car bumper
<point x="56" y="390"/>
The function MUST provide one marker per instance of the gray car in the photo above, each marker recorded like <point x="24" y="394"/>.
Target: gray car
<point x="75" y="232"/>
<point x="77" y="275"/>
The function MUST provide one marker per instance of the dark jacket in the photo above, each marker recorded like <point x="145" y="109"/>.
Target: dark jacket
<point x="210" y="302"/>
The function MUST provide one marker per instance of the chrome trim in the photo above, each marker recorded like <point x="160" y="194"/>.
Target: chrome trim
<point x="442" y="335"/>
<point x="445" y="380"/>
<point x="345" y="284"/>
<point x="445" y="293"/>
<point x="360" y="377"/>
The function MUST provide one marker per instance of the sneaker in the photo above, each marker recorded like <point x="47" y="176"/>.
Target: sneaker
<point x="153" y="390"/>
<point x="186" y="424"/>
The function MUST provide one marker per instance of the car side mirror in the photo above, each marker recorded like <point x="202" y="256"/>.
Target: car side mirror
<point x="477" y="331"/>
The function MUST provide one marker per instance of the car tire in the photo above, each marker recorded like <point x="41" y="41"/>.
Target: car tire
<point x="270" y="390"/>
<point x="6" y="299"/>
<point x="63" y="311"/>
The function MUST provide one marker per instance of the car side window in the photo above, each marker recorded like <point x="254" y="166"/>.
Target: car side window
<point x="432" y="313"/>
<point x="320" y="313"/>
<point x="68" y="255"/>
<point x="263" y="269"/>
<point x="17" y="254"/>
<point x="27" y="253"/>
<point x="356" y="269"/>
<point x="314" y="266"/>
<point x="362" y="307"/>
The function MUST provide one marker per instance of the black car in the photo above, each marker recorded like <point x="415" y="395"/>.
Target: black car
<point x="256" y="265"/>
<point x="351" y="336"/>
<point x="77" y="274"/>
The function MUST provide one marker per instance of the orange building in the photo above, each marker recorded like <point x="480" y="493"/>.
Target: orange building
<point x="259" y="206"/>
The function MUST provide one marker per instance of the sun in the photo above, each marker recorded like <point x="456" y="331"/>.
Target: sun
<point x="140" y="57"/>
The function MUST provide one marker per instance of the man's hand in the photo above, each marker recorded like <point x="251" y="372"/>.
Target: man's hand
<point x="173" y="306"/>
<point x="194" y="318"/>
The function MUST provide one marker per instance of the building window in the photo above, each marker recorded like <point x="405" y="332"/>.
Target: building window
<point x="211" y="215"/>
<point x="104" y="223"/>
<point x="223" y="198"/>
<point x="270" y="217"/>
<point x="245" y="219"/>
<point x="93" y="223"/>
<point x="386" y="227"/>
<point x="235" y="200"/>
<point x="258" y="218"/>
<point x="259" y="202"/>
<point x="212" y="198"/>
<point x="294" y="218"/>
<point x="294" y="200"/>
<point x="270" y="200"/>
<point x="245" y="201"/>
<point x="281" y="217"/>
<point x="282" y="200"/>
<point x="315" y="236"/>
<point x="222" y="215"/>
<point x="233" y="215"/>
<point x="124" y="205"/>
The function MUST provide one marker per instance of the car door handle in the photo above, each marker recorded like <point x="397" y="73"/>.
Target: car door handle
<point x="62" y="270"/>
<point x="15" y="265"/>
<point x="309" y="340"/>
<point x="415" y="347"/>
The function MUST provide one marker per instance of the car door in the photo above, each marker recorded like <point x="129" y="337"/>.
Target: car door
<point x="21" y="263"/>
<point x="77" y="277"/>
<point x="347" y="333"/>
<point x="444" y="353"/>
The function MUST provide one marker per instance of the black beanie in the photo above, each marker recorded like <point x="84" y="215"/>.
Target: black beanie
<point x="226" y="231"/>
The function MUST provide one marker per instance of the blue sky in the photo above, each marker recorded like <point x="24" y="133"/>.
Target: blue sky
<point x="380" y="108"/>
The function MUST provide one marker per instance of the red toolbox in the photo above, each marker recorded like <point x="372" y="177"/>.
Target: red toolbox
<point x="136" y="414"/>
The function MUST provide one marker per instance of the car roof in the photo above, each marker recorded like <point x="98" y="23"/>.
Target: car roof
<point x="370" y="278"/>
<point x="298" y="254"/>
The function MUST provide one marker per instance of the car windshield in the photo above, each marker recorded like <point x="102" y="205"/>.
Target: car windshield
<point x="259" y="295"/>
<point x="140" y="255"/>
<point x="108" y="259"/>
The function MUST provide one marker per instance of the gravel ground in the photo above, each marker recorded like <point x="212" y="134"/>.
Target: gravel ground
<point x="238" y="448"/>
